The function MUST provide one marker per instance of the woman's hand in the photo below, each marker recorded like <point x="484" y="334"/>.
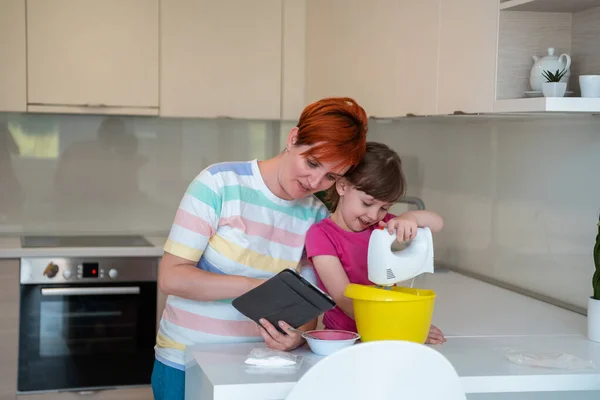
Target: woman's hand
<point x="277" y="340"/>
<point x="436" y="336"/>
<point x="405" y="226"/>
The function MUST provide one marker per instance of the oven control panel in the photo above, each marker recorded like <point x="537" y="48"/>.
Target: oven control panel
<point x="92" y="270"/>
<point x="78" y="270"/>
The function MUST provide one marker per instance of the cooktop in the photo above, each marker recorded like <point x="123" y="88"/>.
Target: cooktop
<point x="32" y="241"/>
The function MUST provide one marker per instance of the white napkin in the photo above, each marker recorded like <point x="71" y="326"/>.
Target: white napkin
<point x="271" y="358"/>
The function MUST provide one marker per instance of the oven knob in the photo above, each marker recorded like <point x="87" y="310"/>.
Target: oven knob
<point x="51" y="270"/>
<point x="113" y="273"/>
<point x="67" y="273"/>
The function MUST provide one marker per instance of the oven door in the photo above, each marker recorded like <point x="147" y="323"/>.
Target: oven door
<point x="83" y="337"/>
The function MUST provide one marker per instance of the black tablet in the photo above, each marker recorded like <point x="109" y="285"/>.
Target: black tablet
<point x="285" y="297"/>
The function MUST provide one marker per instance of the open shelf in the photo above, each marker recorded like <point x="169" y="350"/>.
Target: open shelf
<point x="560" y="6"/>
<point x="548" y="104"/>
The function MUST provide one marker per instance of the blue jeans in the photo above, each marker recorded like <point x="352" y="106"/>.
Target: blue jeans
<point x="168" y="383"/>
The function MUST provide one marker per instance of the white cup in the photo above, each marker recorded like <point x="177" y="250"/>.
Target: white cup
<point x="589" y="85"/>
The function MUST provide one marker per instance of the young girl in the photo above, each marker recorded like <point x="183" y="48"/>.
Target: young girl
<point x="337" y="246"/>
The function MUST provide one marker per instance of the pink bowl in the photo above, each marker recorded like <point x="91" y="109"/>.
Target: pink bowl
<point x="330" y="334"/>
<point x="326" y="342"/>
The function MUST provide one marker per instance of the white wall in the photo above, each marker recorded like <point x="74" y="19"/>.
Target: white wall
<point x="520" y="196"/>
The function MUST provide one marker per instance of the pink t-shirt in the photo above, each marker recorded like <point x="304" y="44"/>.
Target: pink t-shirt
<point x="325" y="238"/>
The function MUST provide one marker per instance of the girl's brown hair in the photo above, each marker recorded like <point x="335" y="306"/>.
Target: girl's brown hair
<point x="379" y="174"/>
<point x="337" y="129"/>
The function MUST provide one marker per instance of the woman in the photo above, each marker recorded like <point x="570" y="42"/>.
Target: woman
<point x="239" y="224"/>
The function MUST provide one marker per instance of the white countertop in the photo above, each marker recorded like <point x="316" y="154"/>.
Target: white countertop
<point x="483" y="367"/>
<point x="469" y="307"/>
<point x="10" y="247"/>
<point x="480" y="363"/>
<point x="481" y="322"/>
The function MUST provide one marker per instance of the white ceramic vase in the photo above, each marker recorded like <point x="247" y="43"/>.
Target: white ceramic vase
<point x="593" y="319"/>
<point x="554" y="89"/>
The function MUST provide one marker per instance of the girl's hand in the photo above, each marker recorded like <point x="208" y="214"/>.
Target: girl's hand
<point x="436" y="336"/>
<point x="277" y="340"/>
<point x="405" y="226"/>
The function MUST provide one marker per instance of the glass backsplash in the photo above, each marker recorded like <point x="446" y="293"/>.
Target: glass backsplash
<point x="112" y="174"/>
<point x="520" y="196"/>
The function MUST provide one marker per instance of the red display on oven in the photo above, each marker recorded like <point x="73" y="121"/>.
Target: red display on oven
<point x="90" y="270"/>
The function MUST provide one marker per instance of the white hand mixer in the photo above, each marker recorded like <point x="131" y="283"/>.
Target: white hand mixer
<point x="387" y="267"/>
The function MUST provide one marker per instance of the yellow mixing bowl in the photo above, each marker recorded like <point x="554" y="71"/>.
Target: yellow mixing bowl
<point x="396" y="314"/>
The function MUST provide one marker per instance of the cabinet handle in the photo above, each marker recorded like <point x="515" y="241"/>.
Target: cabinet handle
<point x="94" y="105"/>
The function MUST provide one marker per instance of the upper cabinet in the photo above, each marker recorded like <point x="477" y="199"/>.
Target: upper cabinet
<point x="221" y="58"/>
<point x="383" y="53"/>
<point x="468" y="48"/>
<point x="94" y="56"/>
<point x="13" y="92"/>
<point x="293" y="59"/>
<point x="267" y="59"/>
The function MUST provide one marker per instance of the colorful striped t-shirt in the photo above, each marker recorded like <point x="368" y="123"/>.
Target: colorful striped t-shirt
<point x="230" y="223"/>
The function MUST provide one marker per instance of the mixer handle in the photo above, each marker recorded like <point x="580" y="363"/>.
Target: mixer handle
<point x="390" y="237"/>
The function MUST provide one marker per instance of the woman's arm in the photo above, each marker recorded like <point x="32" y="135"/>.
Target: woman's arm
<point x="180" y="277"/>
<point x="196" y="221"/>
<point x="334" y="278"/>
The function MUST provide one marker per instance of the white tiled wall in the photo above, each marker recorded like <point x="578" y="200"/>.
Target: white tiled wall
<point x="520" y="196"/>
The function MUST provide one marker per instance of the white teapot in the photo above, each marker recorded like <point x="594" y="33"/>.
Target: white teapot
<point x="550" y="63"/>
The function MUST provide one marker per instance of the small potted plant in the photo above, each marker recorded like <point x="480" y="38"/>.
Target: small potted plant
<point x="553" y="87"/>
<point x="593" y="311"/>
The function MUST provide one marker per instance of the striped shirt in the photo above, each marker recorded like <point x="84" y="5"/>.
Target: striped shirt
<point x="229" y="222"/>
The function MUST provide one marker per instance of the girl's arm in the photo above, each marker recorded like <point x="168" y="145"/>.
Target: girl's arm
<point x="334" y="278"/>
<point x="405" y="225"/>
<point x="425" y="218"/>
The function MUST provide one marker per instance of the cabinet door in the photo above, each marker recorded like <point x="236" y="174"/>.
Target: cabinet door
<point x="9" y="329"/>
<point x="468" y="44"/>
<point x="383" y="53"/>
<point x="221" y="58"/>
<point x="138" y="393"/>
<point x="294" y="60"/>
<point x="13" y="59"/>
<point x="94" y="53"/>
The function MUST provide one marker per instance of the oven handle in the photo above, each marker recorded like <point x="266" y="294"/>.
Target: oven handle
<point x="90" y="291"/>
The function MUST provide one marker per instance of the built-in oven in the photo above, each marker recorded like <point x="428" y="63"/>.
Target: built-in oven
<point x="86" y="323"/>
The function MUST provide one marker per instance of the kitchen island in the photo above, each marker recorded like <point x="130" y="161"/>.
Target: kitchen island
<point x="482" y="322"/>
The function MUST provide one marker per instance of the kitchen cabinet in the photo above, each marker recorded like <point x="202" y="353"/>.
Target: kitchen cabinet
<point x="383" y="53"/>
<point x="468" y="47"/>
<point x="221" y="58"/>
<point x="138" y="393"/>
<point x="9" y="329"/>
<point x="293" y="59"/>
<point x="95" y="56"/>
<point x="13" y="92"/>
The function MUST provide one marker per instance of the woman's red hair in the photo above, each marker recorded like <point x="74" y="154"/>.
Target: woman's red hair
<point x="336" y="127"/>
